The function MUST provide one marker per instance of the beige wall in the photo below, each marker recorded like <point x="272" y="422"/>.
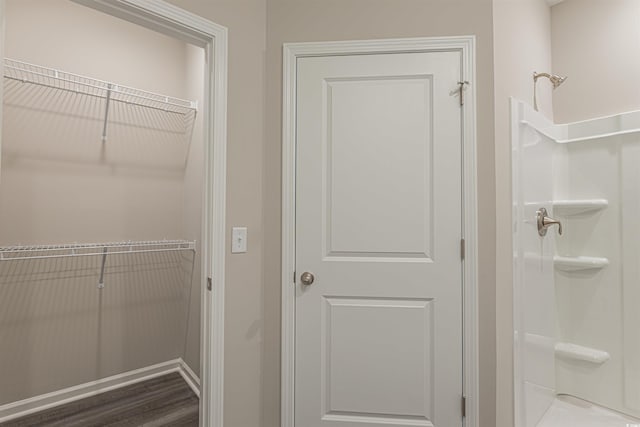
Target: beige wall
<point x="246" y="21"/>
<point x="307" y="20"/>
<point x="61" y="185"/>
<point x="596" y="43"/>
<point x="522" y="45"/>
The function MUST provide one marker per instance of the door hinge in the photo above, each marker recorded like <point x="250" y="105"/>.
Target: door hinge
<point x="462" y="249"/>
<point x="294" y="277"/>
<point x="209" y="283"/>
<point x="463" y="406"/>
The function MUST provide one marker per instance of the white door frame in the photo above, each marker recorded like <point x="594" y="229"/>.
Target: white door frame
<point x="175" y="22"/>
<point x="291" y="53"/>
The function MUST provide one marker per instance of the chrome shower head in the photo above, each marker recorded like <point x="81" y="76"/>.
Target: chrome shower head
<point x="555" y="79"/>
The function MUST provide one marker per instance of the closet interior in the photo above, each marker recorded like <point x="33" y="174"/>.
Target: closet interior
<point x="101" y="197"/>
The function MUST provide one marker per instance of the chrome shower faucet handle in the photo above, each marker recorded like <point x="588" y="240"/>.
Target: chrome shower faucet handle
<point x="544" y="222"/>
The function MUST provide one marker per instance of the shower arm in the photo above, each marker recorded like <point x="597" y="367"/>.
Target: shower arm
<point x="537" y="75"/>
<point x="535" y="91"/>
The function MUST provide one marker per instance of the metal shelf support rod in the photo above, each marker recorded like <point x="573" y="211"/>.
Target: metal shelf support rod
<point x="106" y="116"/>
<point x="104" y="261"/>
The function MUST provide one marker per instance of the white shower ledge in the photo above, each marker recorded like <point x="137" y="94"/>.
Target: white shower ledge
<point x="579" y="263"/>
<point x="570" y="351"/>
<point x="577" y="207"/>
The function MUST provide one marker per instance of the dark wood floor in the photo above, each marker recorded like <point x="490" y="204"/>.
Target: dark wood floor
<point x="162" y="401"/>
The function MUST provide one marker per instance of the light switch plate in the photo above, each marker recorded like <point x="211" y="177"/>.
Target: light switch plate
<point x="238" y="240"/>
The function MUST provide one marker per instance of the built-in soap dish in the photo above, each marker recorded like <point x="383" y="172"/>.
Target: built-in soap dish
<point x="579" y="263"/>
<point x="578" y="207"/>
<point x="568" y="351"/>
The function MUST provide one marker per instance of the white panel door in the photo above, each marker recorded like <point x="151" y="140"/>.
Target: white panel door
<point x="378" y="223"/>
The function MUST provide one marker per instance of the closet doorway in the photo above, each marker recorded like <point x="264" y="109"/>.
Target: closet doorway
<point x="112" y="202"/>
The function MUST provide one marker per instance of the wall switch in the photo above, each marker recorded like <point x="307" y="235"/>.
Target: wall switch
<point x="238" y="240"/>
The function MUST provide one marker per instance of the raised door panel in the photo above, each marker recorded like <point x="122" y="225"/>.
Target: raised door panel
<point x="374" y="208"/>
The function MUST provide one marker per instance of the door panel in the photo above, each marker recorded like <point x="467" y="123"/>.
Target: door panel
<point x="396" y="383"/>
<point x="361" y="129"/>
<point x="378" y="223"/>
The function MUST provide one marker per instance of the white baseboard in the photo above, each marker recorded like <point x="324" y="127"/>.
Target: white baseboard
<point x="60" y="397"/>
<point x="190" y="377"/>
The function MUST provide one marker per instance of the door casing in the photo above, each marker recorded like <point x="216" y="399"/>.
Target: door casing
<point x="173" y="21"/>
<point x="291" y="52"/>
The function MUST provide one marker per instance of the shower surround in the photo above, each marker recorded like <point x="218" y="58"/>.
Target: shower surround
<point x="576" y="295"/>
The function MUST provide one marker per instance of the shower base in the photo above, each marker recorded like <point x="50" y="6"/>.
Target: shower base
<point x="570" y="411"/>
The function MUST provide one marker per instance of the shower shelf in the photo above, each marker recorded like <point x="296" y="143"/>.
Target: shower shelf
<point x="58" y="80"/>
<point x="570" y="351"/>
<point x="579" y="263"/>
<point x="577" y="207"/>
<point x="8" y="253"/>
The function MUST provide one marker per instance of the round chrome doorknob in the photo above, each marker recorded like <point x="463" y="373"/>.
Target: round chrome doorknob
<point x="307" y="278"/>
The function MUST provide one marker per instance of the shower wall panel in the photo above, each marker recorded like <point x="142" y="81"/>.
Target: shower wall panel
<point x="534" y="302"/>
<point x="630" y="193"/>
<point x="590" y="312"/>
<point x="597" y="307"/>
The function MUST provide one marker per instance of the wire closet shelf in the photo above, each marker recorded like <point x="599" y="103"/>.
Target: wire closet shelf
<point x="8" y="253"/>
<point x="56" y="79"/>
<point x="22" y="72"/>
